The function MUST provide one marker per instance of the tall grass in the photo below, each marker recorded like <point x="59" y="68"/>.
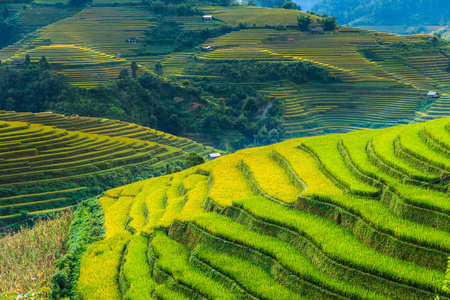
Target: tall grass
<point x="270" y="176"/>
<point x="33" y="251"/>
<point x="173" y="258"/>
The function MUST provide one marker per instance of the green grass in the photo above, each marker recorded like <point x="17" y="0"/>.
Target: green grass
<point x="326" y="150"/>
<point x="174" y="259"/>
<point x="342" y="246"/>
<point x="137" y="271"/>
<point x="290" y="257"/>
<point x="107" y="256"/>
<point x="249" y="276"/>
<point x="209" y="236"/>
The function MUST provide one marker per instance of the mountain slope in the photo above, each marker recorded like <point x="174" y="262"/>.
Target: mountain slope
<point x="412" y="13"/>
<point x="378" y="79"/>
<point x="363" y="215"/>
<point x="48" y="168"/>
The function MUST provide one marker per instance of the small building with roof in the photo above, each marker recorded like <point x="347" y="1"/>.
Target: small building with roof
<point x="18" y="62"/>
<point x="212" y="156"/>
<point x="207" y="18"/>
<point x="433" y="94"/>
<point x="132" y="40"/>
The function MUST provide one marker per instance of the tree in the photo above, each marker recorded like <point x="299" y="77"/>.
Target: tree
<point x="76" y="2"/>
<point x="10" y="104"/>
<point x="123" y="74"/>
<point x="44" y="64"/>
<point x="134" y="68"/>
<point x="158" y="68"/>
<point x="304" y="22"/>
<point x="329" y="23"/>
<point x="193" y="159"/>
<point x="27" y="60"/>
<point x="288" y="5"/>
<point x="5" y="13"/>
<point x="291" y="5"/>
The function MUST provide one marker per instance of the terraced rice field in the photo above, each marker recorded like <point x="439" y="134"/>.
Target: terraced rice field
<point x="103" y="29"/>
<point x="49" y="167"/>
<point x="386" y="89"/>
<point x="258" y="15"/>
<point x="82" y="66"/>
<point x="107" y="127"/>
<point x="378" y="91"/>
<point x="363" y="215"/>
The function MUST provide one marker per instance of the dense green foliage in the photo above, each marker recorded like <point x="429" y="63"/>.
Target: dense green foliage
<point x="386" y="12"/>
<point x="171" y="34"/>
<point x="8" y="31"/>
<point x="299" y="72"/>
<point x="86" y="228"/>
<point x="193" y="159"/>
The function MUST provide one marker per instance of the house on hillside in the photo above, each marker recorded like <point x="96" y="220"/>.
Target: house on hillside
<point x="207" y="18"/>
<point x="433" y="95"/>
<point x="209" y="48"/>
<point x="117" y="55"/>
<point x="212" y="156"/>
<point x="132" y="40"/>
<point x="18" y="62"/>
<point x="316" y="30"/>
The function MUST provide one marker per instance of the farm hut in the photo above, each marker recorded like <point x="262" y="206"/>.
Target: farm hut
<point x="212" y="156"/>
<point x="317" y="30"/>
<point x="132" y="40"/>
<point x="209" y="48"/>
<point x="117" y="55"/>
<point x="18" y="62"/>
<point x="207" y="18"/>
<point x="433" y="94"/>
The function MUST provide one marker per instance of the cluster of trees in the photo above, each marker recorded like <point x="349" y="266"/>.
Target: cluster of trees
<point x="387" y="12"/>
<point x="172" y="34"/>
<point x="9" y="28"/>
<point x="291" y="5"/>
<point x="170" y="7"/>
<point x="246" y="71"/>
<point x="328" y="23"/>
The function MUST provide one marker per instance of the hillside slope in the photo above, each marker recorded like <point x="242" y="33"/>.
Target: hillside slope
<point x="363" y="215"/>
<point x="48" y="168"/>
<point x="382" y="79"/>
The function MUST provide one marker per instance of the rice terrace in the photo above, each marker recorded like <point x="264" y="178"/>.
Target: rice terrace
<point x="223" y="150"/>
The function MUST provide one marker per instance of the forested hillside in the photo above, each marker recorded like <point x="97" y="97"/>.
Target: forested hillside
<point x="408" y="13"/>
<point x="251" y="76"/>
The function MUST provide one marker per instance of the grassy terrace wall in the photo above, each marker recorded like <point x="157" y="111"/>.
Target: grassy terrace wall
<point x="363" y="215"/>
<point x="107" y="127"/>
<point x="46" y="168"/>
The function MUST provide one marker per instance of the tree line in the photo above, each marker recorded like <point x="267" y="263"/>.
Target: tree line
<point x="387" y="12"/>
